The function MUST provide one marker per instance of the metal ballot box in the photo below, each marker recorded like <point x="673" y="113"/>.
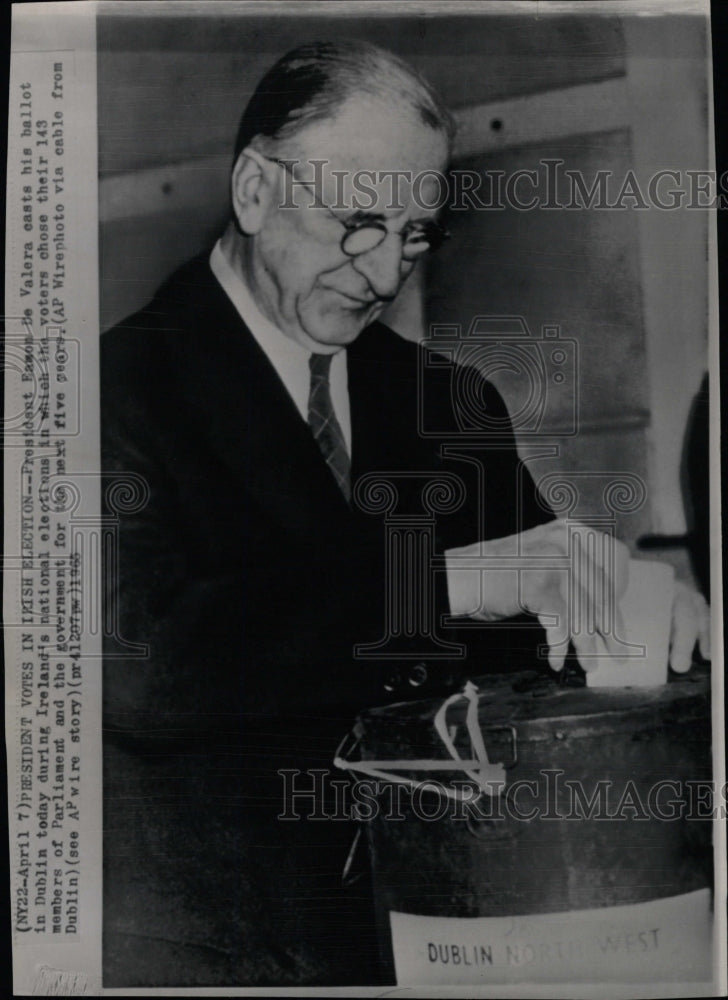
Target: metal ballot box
<point x="523" y="830"/>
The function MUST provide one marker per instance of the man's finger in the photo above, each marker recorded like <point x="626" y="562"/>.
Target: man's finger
<point x="703" y="626"/>
<point x="704" y="643"/>
<point x="585" y="621"/>
<point x="617" y="637"/>
<point x="598" y="580"/>
<point x="684" y="632"/>
<point x="555" y="638"/>
<point x="589" y="651"/>
<point x="609" y="648"/>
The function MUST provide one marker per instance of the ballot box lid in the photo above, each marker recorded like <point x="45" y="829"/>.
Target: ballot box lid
<point x="539" y="706"/>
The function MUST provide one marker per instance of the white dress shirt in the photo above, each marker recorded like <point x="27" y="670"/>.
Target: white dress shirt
<point x="287" y="356"/>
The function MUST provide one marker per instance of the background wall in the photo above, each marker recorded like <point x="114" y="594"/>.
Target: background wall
<point x="600" y="92"/>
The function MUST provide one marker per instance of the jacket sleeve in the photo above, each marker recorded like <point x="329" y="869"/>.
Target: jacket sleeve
<point x="166" y="617"/>
<point x="501" y="499"/>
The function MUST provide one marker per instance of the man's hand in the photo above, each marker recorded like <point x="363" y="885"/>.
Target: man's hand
<point x="690" y="624"/>
<point x="571" y="577"/>
<point x="566" y="574"/>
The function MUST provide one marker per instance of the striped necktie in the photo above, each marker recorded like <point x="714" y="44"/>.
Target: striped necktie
<point x="324" y="425"/>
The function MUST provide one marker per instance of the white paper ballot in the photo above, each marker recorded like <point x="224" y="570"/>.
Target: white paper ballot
<point x="647" y="610"/>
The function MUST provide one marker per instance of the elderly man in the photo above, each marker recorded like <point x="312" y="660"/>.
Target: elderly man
<point x="252" y="396"/>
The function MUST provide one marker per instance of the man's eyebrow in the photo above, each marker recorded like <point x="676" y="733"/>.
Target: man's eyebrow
<point x="361" y="215"/>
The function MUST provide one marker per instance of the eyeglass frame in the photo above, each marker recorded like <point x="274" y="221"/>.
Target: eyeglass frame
<point x="350" y="229"/>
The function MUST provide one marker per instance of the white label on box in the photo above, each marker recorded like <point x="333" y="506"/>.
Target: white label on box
<point x="664" y="940"/>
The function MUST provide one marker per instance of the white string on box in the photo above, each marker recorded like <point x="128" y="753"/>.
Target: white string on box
<point x="490" y="778"/>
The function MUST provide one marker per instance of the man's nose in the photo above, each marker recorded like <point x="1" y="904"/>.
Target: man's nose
<point x="382" y="267"/>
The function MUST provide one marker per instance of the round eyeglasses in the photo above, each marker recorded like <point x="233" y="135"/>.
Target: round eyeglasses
<point x="418" y="239"/>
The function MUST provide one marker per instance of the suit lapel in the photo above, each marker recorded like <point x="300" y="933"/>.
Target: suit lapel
<point x="251" y="421"/>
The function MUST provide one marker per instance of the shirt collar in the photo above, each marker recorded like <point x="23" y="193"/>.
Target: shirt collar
<point x="287" y="356"/>
<point x="273" y="341"/>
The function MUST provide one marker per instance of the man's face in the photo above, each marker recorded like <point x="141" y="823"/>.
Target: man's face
<point x="308" y="286"/>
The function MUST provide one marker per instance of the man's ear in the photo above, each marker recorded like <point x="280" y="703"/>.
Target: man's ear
<point x="250" y="192"/>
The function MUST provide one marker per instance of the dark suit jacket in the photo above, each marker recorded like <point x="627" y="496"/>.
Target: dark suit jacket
<point x="249" y="579"/>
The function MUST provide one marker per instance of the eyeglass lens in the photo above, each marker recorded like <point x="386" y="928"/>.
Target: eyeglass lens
<point x="367" y="237"/>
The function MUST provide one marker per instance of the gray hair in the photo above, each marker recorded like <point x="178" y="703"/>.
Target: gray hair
<point x="313" y="81"/>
